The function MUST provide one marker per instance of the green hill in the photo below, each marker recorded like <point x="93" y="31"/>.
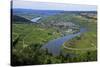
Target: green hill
<point x="20" y="20"/>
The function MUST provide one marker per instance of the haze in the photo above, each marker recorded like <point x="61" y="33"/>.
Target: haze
<point x="52" y="6"/>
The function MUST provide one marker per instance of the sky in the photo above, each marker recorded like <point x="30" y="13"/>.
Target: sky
<point x="52" y="6"/>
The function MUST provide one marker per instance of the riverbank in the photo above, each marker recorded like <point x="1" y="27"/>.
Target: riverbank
<point x="54" y="46"/>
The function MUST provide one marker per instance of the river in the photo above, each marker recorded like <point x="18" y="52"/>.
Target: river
<point x="36" y="19"/>
<point x="54" y="46"/>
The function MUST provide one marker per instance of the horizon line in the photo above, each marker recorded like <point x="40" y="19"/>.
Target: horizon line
<point x="53" y="9"/>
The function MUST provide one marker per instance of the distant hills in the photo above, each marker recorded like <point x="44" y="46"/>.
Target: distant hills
<point x="38" y="12"/>
<point x="45" y="12"/>
<point x="26" y="15"/>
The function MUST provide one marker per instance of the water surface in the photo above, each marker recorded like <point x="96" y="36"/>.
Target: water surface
<point x="36" y="19"/>
<point x="54" y="46"/>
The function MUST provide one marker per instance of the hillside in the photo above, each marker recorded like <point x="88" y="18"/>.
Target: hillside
<point x="18" y="19"/>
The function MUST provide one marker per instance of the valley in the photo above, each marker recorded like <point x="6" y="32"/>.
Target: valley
<point x="49" y="37"/>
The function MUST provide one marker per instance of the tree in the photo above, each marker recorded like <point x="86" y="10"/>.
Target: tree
<point x="49" y="61"/>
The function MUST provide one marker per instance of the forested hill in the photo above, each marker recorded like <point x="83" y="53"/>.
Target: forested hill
<point x="37" y="12"/>
<point x="18" y="19"/>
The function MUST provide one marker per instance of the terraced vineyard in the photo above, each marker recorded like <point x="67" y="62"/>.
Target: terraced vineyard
<point x="32" y="34"/>
<point x="84" y="44"/>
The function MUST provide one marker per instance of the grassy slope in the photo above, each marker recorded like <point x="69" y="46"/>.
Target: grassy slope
<point x="85" y="40"/>
<point x="34" y="37"/>
<point x="32" y="34"/>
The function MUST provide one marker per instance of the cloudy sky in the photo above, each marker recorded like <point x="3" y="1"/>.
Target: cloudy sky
<point x="52" y="6"/>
